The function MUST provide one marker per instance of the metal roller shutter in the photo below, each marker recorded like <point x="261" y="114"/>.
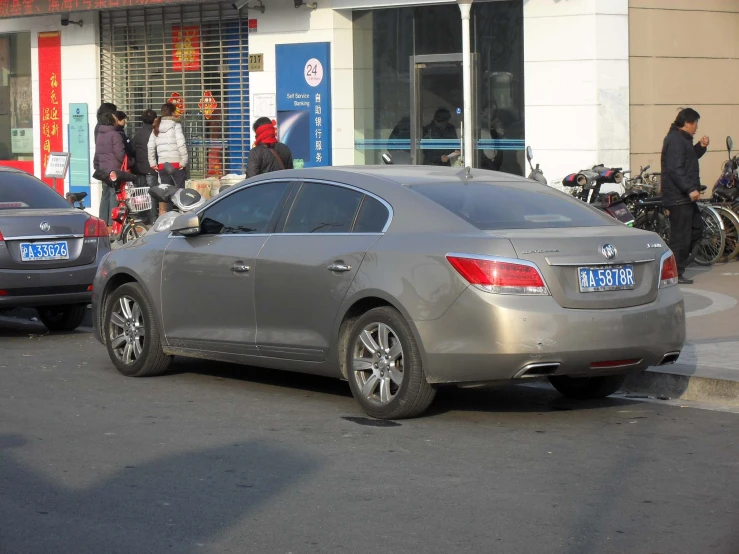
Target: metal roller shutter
<point x="197" y="51"/>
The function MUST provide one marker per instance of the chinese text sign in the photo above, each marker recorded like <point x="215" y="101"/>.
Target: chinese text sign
<point x="50" y="99"/>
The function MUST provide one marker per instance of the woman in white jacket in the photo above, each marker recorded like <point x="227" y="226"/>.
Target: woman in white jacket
<point x="167" y="144"/>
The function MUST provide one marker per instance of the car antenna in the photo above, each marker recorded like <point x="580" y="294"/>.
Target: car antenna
<point x="466" y="173"/>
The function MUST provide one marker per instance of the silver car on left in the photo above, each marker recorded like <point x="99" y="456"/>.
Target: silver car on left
<point x="49" y="251"/>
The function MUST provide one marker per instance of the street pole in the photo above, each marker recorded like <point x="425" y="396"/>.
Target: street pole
<point x="465" y="7"/>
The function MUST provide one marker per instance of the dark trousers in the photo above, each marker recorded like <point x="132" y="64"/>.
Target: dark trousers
<point x="686" y="230"/>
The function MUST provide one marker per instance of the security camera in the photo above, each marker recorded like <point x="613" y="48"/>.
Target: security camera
<point x="241" y="4"/>
<point x="66" y="21"/>
<point x="301" y="3"/>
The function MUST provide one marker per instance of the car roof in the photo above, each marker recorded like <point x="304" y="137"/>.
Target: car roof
<point x="5" y="169"/>
<point x="417" y="213"/>
<point x="405" y="174"/>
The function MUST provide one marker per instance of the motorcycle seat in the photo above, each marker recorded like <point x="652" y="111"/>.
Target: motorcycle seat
<point x="725" y="194"/>
<point x="650" y="202"/>
<point x="77" y="196"/>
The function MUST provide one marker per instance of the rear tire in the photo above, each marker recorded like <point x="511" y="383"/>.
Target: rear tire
<point x="384" y="367"/>
<point x="132" y="335"/>
<point x="587" y="388"/>
<point x="62" y="318"/>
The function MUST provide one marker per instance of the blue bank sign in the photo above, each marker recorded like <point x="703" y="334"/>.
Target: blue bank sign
<point x="304" y="101"/>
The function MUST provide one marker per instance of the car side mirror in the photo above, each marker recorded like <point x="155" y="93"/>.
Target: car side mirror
<point x="186" y="224"/>
<point x="729" y="145"/>
<point x="529" y="153"/>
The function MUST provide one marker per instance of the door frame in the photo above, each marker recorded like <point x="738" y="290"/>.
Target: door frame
<point x="417" y="63"/>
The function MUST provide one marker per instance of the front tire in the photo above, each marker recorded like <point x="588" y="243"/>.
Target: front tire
<point x="62" y="318"/>
<point x="132" y="335"/>
<point x="587" y="388"/>
<point x="384" y="367"/>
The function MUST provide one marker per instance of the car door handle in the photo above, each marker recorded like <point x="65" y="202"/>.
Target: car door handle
<point x="339" y="267"/>
<point x="240" y="268"/>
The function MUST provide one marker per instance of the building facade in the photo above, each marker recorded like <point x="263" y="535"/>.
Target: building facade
<point x="428" y="82"/>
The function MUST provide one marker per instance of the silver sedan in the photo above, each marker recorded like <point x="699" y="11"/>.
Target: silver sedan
<point x="397" y="279"/>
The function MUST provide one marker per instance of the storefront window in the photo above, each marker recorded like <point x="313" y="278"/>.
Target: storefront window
<point x="409" y="92"/>
<point x="16" y="106"/>
<point x="195" y="56"/>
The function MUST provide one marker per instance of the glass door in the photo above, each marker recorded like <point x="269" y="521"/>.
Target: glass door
<point x="437" y="106"/>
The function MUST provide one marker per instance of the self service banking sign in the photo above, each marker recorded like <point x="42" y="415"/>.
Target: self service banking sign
<point x="304" y="101"/>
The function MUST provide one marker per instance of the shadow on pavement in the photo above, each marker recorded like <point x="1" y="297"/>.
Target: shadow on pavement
<point x="177" y="503"/>
<point x="491" y="399"/>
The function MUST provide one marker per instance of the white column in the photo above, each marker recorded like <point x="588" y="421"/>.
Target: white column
<point x="465" y="6"/>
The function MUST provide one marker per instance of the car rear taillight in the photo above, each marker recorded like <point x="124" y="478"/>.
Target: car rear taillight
<point x="1" y="237"/>
<point x="668" y="270"/>
<point x="95" y="227"/>
<point x="499" y="275"/>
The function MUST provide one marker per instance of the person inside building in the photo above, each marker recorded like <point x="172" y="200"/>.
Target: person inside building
<point x="267" y="154"/>
<point x="681" y="186"/>
<point x="146" y="176"/>
<point x="120" y="124"/>
<point x="440" y="129"/>
<point x="109" y="155"/>
<point x="167" y="144"/>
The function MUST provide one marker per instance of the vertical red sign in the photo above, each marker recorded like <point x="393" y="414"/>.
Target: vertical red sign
<point x="50" y="99"/>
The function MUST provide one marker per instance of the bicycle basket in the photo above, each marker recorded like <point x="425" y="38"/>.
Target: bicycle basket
<point x="139" y="200"/>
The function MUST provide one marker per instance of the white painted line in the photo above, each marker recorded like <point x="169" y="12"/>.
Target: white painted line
<point x="719" y="302"/>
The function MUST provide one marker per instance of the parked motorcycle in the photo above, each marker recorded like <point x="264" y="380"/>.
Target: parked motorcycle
<point x="130" y="217"/>
<point x="586" y="184"/>
<point x="181" y="200"/>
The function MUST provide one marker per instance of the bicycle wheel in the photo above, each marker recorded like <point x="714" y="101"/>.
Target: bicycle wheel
<point x="132" y="232"/>
<point x="731" y="230"/>
<point x="711" y="247"/>
<point x="656" y="221"/>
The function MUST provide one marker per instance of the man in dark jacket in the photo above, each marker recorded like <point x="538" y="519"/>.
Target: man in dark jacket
<point x="147" y="177"/>
<point x="681" y="186"/>
<point x="267" y="154"/>
<point x="440" y="129"/>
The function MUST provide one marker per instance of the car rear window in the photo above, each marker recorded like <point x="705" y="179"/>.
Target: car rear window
<point x="490" y="206"/>
<point x="22" y="191"/>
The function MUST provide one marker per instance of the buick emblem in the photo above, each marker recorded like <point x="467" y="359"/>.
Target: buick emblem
<point x="45" y="227"/>
<point x="609" y="251"/>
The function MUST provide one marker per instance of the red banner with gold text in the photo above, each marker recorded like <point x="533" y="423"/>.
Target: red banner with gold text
<point x="50" y="99"/>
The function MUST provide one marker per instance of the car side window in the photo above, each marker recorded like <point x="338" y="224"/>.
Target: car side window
<point x="372" y="217"/>
<point x="247" y="211"/>
<point x="321" y="208"/>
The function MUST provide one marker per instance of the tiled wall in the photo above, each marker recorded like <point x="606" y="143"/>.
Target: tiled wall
<point x="576" y="73"/>
<point x="684" y="53"/>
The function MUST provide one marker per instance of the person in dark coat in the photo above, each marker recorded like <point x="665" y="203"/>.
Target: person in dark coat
<point x="109" y="155"/>
<point x="121" y="118"/>
<point x="681" y="186"/>
<point x="267" y="154"/>
<point x="147" y="177"/>
<point x="439" y="129"/>
<point x="105" y="108"/>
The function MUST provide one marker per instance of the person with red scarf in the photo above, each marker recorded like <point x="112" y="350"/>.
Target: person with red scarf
<point x="267" y="154"/>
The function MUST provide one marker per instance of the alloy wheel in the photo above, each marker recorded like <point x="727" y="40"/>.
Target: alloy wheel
<point x="126" y="330"/>
<point x="378" y="363"/>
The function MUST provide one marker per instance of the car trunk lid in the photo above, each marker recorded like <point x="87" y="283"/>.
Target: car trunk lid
<point x="560" y="252"/>
<point x="21" y="228"/>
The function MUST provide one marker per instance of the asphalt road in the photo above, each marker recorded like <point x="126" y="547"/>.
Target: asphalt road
<point x="220" y="458"/>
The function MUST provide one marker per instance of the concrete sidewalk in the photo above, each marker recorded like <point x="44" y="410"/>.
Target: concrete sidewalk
<point x="708" y="368"/>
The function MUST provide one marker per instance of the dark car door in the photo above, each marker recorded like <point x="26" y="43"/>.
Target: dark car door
<point x="208" y="279"/>
<point x="305" y="269"/>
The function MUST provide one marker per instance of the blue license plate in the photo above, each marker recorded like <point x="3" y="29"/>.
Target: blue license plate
<point x="597" y="279"/>
<point x="44" y="251"/>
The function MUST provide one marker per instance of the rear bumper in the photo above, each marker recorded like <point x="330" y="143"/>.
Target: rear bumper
<point x="48" y="287"/>
<point x="486" y="337"/>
